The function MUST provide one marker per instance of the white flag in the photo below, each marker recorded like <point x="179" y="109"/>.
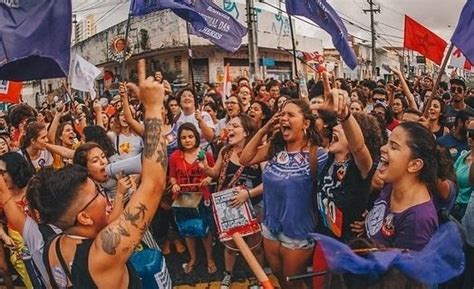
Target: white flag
<point x="457" y="59"/>
<point x="83" y="74"/>
<point x="227" y="87"/>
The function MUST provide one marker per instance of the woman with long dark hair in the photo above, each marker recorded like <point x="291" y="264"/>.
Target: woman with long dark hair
<point x="404" y="215"/>
<point x="230" y="173"/>
<point x="293" y="156"/>
<point x="187" y="176"/>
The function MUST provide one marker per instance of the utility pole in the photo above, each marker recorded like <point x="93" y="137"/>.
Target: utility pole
<point x="252" y="40"/>
<point x="372" y="28"/>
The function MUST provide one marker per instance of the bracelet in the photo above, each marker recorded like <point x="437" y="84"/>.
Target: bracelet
<point x="248" y="192"/>
<point x="346" y="117"/>
<point x="8" y="200"/>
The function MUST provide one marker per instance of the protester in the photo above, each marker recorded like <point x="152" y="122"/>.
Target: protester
<point x="404" y="215"/>
<point x="293" y="150"/>
<point x="458" y="91"/>
<point x="230" y="173"/>
<point x="435" y="117"/>
<point x="456" y="140"/>
<point x="16" y="172"/>
<point x="463" y="169"/>
<point x="187" y="176"/>
<point x="245" y="96"/>
<point x="82" y="216"/>
<point x="190" y="113"/>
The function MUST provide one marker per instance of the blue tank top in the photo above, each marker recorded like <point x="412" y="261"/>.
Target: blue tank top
<point x="288" y="194"/>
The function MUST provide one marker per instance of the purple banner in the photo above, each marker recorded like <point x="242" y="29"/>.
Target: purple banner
<point x="221" y="29"/>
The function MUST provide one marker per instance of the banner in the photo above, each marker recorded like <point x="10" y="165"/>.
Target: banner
<point x="10" y="91"/>
<point x="83" y="74"/>
<point x="321" y="13"/>
<point x="35" y="38"/>
<point x="221" y="29"/>
<point x="183" y="8"/>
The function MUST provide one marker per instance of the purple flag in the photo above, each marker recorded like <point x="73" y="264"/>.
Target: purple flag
<point x="437" y="262"/>
<point x="221" y="29"/>
<point x="464" y="33"/>
<point x="183" y="8"/>
<point x="35" y="39"/>
<point x="321" y="13"/>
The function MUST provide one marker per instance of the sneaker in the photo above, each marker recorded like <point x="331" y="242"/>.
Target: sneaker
<point x="226" y="281"/>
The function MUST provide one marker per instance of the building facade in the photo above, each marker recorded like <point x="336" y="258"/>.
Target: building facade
<point x="161" y="38"/>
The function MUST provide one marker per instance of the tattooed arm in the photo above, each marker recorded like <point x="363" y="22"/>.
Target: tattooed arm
<point x="116" y="242"/>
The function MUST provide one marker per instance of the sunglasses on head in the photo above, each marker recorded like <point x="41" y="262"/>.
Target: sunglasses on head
<point x="457" y="89"/>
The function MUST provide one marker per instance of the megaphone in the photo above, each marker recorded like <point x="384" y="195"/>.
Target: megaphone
<point x="128" y="166"/>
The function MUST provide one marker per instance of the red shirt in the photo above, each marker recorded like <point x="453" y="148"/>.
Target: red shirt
<point x="391" y="126"/>
<point x="186" y="173"/>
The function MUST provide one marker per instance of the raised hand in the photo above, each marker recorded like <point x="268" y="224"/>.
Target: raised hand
<point x="335" y="99"/>
<point x="149" y="92"/>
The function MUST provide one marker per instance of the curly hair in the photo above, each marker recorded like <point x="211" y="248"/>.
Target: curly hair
<point x="19" y="113"/>
<point x="373" y="137"/>
<point x="98" y="135"/>
<point x="18" y="168"/>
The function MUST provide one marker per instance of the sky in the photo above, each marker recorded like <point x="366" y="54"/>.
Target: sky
<point x="440" y="16"/>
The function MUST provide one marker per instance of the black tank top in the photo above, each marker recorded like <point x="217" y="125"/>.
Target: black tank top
<point x="81" y="277"/>
<point x="250" y="177"/>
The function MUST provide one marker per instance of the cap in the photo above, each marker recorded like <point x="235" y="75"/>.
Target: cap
<point x="115" y="99"/>
<point x="458" y="81"/>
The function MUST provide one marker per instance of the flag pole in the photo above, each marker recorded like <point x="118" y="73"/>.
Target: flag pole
<point x="293" y="45"/>
<point x="295" y="76"/>
<point x="441" y="71"/>
<point x="190" y="57"/>
<point x="125" y="49"/>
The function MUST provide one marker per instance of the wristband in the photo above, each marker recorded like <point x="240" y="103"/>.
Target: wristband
<point x="248" y="192"/>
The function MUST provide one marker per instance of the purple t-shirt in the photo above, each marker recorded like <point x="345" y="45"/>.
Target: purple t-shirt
<point x="411" y="229"/>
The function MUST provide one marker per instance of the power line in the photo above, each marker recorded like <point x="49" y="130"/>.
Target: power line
<point x="95" y="6"/>
<point x="361" y="8"/>
<point x="101" y="18"/>
<point x="390" y="26"/>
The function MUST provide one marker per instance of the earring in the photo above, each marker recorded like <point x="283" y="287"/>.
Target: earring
<point x="304" y="132"/>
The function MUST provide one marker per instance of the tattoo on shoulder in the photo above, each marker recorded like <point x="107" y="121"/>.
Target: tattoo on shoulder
<point x="110" y="240"/>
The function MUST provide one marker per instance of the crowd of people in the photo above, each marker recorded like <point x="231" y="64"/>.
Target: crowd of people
<point x="387" y="162"/>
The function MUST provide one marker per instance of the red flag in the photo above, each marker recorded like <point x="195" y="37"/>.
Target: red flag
<point x="10" y="91"/>
<point x="422" y="40"/>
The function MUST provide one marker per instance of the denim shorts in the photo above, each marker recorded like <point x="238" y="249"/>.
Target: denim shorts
<point x="287" y="242"/>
